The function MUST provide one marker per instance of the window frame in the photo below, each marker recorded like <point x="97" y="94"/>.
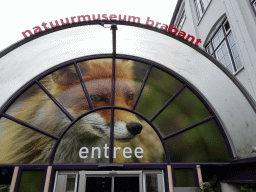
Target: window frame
<point x="201" y="6"/>
<point x="30" y="167"/>
<point x="181" y="20"/>
<point x="253" y="4"/>
<point x="225" y="39"/>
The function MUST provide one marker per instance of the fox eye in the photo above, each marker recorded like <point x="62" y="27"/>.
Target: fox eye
<point x="130" y="96"/>
<point x="97" y="98"/>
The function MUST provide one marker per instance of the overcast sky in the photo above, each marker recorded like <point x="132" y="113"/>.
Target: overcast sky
<point x="20" y="15"/>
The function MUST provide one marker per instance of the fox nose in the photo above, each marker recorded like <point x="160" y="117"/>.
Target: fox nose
<point x="134" y="128"/>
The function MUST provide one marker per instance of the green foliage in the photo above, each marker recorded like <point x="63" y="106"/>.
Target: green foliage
<point x="211" y="186"/>
<point x="248" y="187"/>
<point x="4" y="187"/>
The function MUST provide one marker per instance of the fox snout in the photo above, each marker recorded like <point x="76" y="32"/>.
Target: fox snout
<point x="134" y="128"/>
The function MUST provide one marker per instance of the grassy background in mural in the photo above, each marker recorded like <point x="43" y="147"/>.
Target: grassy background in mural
<point x="202" y="143"/>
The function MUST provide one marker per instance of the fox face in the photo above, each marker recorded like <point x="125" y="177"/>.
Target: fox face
<point x="97" y="76"/>
<point x="92" y="130"/>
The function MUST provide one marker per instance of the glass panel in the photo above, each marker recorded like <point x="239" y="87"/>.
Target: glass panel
<point x="217" y="38"/>
<point x="230" y="68"/>
<point x="184" y="177"/>
<point x="65" y="183"/>
<point x="226" y="26"/>
<point x="98" y="184"/>
<point x="186" y="109"/>
<point x="203" y="143"/>
<point x="65" y="86"/>
<point x="231" y="39"/>
<point x="158" y="89"/>
<point x="135" y="140"/>
<point x="71" y="182"/>
<point x="224" y="48"/>
<point x="97" y="76"/>
<point x="198" y="9"/>
<point x="219" y="53"/>
<point x="31" y="181"/>
<point x="129" y="78"/>
<point x="223" y="55"/>
<point x="154" y="182"/>
<point x="126" y="184"/>
<point x="227" y="59"/>
<point x="205" y="3"/>
<point x="235" y="51"/>
<point x="87" y="141"/>
<point x="19" y="144"/>
<point x="238" y="63"/>
<point x="36" y="108"/>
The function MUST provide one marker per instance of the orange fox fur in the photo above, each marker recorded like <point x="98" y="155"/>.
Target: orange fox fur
<point x="20" y="144"/>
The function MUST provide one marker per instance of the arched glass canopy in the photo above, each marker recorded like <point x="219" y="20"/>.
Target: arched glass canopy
<point x="131" y="95"/>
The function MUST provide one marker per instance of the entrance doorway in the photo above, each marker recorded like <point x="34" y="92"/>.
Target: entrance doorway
<point x="109" y="181"/>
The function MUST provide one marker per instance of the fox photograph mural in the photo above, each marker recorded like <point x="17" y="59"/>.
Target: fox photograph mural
<point x="87" y="139"/>
<point x="19" y="144"/>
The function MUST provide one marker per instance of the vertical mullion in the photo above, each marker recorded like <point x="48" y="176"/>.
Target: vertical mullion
<point x="14" y="178"/>
<point x="112" y="102"/>
<point x="78" y="71"/>
<point x="112" y="184"/>
<point x="142" y="88"/>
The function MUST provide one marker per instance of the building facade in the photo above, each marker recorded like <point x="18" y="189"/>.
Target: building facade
<point x="227" y="30"/>
<point x="119" y="106"/>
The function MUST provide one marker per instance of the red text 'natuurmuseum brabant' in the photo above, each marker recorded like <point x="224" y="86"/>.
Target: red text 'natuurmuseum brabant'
<point x="112" y="17"/>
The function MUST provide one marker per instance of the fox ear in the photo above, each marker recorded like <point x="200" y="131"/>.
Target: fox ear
<point x="65" y="76"/>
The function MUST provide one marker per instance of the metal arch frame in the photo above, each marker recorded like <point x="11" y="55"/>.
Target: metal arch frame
<point x="151" y="64"/>
<point x="101" y="22"/>
<point x="238" y="85"/>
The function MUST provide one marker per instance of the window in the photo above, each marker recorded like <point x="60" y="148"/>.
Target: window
<point x="31" y="180"/>
<point x="223" y="47"/>
<point x="253" y="3"/>
<point x="181" y="20"/>
<point x="201" y="6"/>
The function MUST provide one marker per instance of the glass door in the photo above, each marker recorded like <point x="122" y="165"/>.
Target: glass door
<point x="109" y="181"/>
